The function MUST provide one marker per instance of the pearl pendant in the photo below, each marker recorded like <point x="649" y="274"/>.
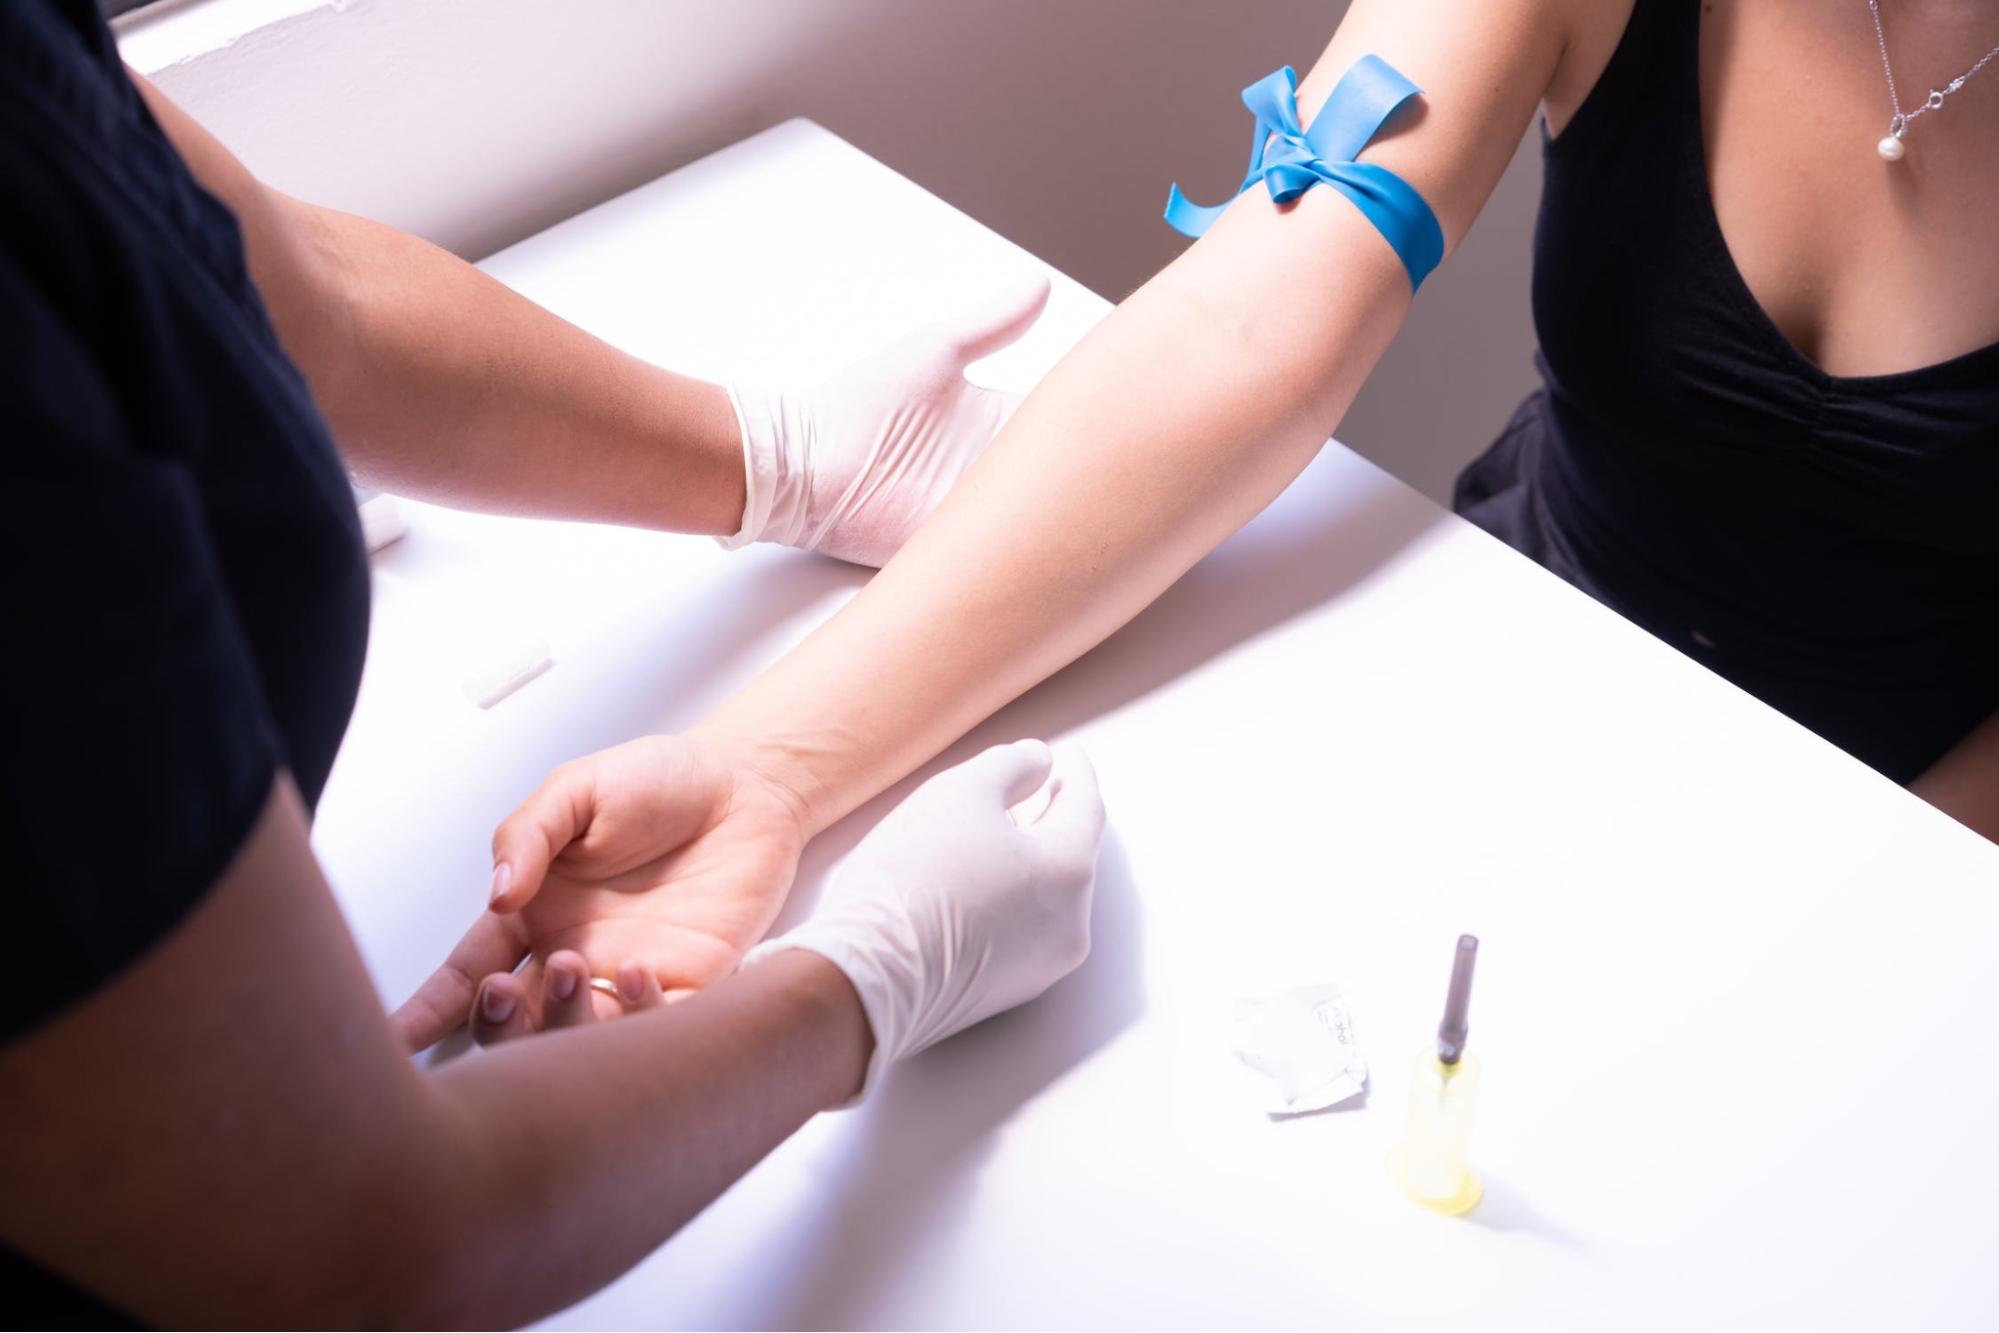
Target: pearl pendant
<point x="1890" y="148"/>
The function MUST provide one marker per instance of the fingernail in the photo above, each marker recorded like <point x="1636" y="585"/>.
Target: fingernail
<point x="496" y="1005"/>
<point x="503" y="879"/>
<point x="561" y="980"/>
<point x="632" y="982"/>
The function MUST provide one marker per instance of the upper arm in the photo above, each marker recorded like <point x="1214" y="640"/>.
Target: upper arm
<point x="1484" y="68"/>
<point x="292" y="255"/>
<point x="218" y="169"/>
<point x="1311" y="289"/>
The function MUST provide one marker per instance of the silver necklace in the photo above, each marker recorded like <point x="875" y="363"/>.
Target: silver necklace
<point x="1891" y="147"/>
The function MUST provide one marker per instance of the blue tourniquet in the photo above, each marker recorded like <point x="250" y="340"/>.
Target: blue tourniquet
<point x="1296" y="159"/>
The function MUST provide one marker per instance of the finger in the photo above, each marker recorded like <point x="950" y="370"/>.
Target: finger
<point x="501" y="1013"/>
<point x="638" y="987"/>
<point x="566" y="997"/>
<point x="555" y="815"/>
<point x="1073" y="823"/>
<point x="443" y="1001"/>
<point x="999" y="322"/>
<point x="1011" y="773"/>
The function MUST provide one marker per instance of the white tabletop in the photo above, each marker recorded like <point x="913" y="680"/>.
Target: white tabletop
<point x="1737" y="1052"/>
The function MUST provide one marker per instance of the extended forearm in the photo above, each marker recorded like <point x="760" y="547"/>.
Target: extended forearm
<point x="1171" y="425"/>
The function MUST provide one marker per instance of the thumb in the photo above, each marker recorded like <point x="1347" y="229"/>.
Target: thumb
<point x="1073" y="823"/>
<point x="524" y="844"/>
<point x="1008" y="774"/>
<point x="997" y="323"/>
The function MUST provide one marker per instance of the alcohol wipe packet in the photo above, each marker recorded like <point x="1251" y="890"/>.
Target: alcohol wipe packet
<point x="1302" y="1041"/>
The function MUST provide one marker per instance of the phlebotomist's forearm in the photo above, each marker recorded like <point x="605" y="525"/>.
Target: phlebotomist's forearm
<point x="555" y="1165"/>
<point x="278" y="1162"/>
<point x="441" y="383"/>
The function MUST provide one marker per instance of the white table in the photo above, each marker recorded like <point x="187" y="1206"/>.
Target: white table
<point x="1734" y="994"/>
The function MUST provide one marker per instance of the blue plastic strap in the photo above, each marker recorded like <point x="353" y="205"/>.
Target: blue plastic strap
<point x="1291" y="160"/>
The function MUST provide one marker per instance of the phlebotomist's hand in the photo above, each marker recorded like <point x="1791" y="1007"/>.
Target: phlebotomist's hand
<point x="851" y="467"/>
<point x="671" y="853"/>
<point x="973" y="896"/>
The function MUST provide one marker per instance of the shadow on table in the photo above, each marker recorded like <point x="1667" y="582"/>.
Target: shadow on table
<point x="672" y="672"/>
<point x="1506" y="1208"/>
<point x="907" y="1176"/>
<point x="1331" y="531"/>
<point x="658" y="669"/>
<point x="1335" y="527"/>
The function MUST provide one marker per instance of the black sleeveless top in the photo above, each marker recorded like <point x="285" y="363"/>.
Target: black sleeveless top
<point x="1828" y="543"/>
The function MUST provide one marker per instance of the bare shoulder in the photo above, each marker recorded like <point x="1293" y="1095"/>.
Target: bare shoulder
<point x="1533" y="47"/>
<point x="1485" y="66"/>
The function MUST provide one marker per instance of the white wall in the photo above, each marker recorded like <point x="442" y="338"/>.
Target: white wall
<point x="1059" y="123"/>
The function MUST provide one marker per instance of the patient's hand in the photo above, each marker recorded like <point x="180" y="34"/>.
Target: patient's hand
<point x="668" y="851"/>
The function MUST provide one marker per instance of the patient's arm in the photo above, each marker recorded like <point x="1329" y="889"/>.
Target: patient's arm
<point x="1185" y="413"/>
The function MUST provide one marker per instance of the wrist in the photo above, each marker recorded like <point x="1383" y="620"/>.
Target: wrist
<point x="791" y="769"/>
<point x="831" y="1005"/>
<point x="673" y="461"/>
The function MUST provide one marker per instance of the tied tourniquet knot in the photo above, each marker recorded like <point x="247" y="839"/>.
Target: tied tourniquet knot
<point x="1291" y="159"/>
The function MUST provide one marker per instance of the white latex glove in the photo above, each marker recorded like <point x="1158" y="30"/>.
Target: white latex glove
<point x="949" y="911"/>
<point x="851" y="467"/>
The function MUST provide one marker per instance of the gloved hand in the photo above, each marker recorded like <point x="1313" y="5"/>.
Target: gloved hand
<point x="949" y="911"/>
<point x="850" y="468"/>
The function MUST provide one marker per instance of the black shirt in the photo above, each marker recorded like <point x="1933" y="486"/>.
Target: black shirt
<point x="1829" y="543"/>
<point x="185" y="586"/>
